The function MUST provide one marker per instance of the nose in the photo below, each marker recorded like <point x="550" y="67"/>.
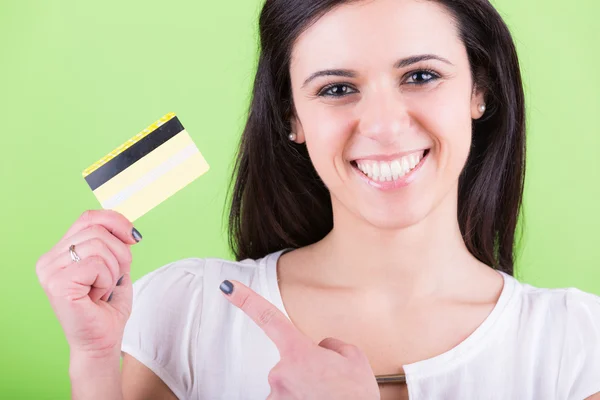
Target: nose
<point x="384" y="117"/>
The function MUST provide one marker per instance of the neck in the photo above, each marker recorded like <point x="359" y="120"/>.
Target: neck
<point x="418" y="260"/>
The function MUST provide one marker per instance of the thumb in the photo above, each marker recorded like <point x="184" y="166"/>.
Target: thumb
<point x="122" y="296"/>
<point x="340" y="347"/>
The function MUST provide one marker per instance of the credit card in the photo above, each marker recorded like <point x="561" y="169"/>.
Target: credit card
<point x="147" y="169"/>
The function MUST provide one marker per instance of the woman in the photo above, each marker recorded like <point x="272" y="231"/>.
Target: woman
<point x="377" y="192"/>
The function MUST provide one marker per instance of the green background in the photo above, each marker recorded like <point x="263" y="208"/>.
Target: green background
<point x="78" y="78"/>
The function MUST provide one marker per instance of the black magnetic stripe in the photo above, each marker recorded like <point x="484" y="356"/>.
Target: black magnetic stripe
<point x="139" y="150"/>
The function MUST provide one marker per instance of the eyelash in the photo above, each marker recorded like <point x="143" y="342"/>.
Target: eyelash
<point x="434" y="77"/>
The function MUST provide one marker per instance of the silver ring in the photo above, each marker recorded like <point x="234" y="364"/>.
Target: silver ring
<point x="74" y="255"/>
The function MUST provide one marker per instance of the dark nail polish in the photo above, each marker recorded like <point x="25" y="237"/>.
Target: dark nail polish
<point x="136" y="235"/>
<point x="110" y="297"/>
<point x="226" y="287"/>
<point x="119" y="281"/>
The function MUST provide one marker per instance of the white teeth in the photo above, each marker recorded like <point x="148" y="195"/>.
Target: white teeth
<point x="413" y="161"/>
<point x="383" y="171"/>
<point x="405" y="166"/>
<point x="375" y="167"/>
<point x="386" y="172"/>
<point x="396" y="170"/>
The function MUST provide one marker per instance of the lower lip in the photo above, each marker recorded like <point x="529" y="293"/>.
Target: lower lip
<point x="397" y="184"/>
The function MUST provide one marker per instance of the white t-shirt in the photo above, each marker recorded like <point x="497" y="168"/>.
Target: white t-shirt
<point x="536" y="343"/>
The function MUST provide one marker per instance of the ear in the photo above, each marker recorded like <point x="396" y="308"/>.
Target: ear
<point x="297" y="129"/>
<point x="478" y="104"/>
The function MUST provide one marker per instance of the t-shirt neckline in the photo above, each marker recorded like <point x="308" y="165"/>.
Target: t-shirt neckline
<point x="433" y="365"/>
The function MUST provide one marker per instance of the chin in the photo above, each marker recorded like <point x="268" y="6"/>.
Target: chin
<point x="398" y="218"/>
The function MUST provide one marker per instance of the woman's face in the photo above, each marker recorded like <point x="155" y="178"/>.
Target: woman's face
<point x="388" y="128"/>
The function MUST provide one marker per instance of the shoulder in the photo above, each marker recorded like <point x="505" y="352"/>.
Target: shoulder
<point x="189" y="277"/>
<point x="168" y="295"/>
<point x="565" y="323"/>
<point x="582" y="343"/>
<point x="179" y="312"/>
<point x="560" y="312"/>
<point x="582" y="326"/>
<point x="569" y="307"/>
<point x="583" y="310"/>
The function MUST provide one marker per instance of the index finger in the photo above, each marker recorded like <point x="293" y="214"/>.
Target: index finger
<point x="268" y="317"/>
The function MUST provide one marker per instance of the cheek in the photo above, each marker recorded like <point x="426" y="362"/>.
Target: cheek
<point x="327" y="134"/>
<point x="446" y="116"/>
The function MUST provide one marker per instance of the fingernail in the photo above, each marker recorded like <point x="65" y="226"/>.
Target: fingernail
<point x="226" y="287"/>
<point x="110" y="297"/>
<point x="120" y="280"/>
<point x="136" y="235"/>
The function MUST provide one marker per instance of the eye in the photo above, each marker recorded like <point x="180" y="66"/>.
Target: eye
<point x="422" y="77"/>
<point x="335" y="90"/>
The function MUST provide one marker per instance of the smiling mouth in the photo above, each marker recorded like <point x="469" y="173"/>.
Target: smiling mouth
<point x="392" y="170"/>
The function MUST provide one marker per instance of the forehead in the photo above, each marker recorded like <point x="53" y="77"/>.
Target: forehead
<point x="377" y="30"/>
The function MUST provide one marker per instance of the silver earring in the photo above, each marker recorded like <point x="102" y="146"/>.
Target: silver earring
<point x="482" y="108"/>
<point x="292" y="136"/>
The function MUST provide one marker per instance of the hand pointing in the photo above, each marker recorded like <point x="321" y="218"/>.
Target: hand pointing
<point x="327" y="371"/>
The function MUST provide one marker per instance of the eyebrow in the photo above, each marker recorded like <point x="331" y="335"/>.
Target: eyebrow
<point x="402" y="63"/>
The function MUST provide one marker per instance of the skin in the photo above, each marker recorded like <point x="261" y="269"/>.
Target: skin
<point x="393" y="283"/>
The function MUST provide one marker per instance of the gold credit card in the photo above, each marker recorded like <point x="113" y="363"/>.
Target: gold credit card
<point x="147" y="169"/>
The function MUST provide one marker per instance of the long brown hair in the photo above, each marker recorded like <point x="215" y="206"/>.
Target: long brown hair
<point x="278" y="200"/>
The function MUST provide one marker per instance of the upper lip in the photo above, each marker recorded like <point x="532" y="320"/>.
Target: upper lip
<point x="389" y="157"/>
